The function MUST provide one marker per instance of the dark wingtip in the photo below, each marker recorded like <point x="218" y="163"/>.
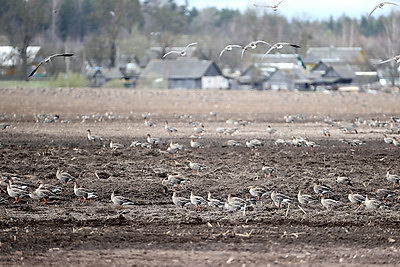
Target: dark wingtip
<point x="296" y="46"/>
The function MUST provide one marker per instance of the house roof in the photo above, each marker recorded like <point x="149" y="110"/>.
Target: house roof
<point x="10" y="56"/>
<point x="187" y="68"/>
<point x="295" y="75"/>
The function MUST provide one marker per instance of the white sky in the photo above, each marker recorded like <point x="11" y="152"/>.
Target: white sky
<point x="313" y="9"/>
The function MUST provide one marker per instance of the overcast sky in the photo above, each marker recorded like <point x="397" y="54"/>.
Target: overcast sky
<point x="318" y="9"/>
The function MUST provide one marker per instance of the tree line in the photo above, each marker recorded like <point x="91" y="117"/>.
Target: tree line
<point x="100" y="30"/>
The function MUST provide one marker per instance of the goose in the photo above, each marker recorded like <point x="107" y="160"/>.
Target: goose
<point x="267" y="170"/>
<point x="213" y="202"/>
<point x="280" y="199"/>
<point x="231" y="143"/>
<point x="115" y="146"/>
<point x="180" y="201"/>
<point x="64" y="177"/>
<point x="270" y="130"/>
<point x="279" y="46"/>
<point x="152" y="140"/>
<point x="234" y="206"/>
<point x="392" y="178"/>
<point x="254" y="143"/>
<point x="196" y="166"/>
<point x="169" y="129"/>
<point x="15" y="192"/>
<point x="273" y="7"/>
<point x="325" y="132"/>
<point x="329" y="203"/>
<point x="387" y="140"/>
<point x="149" y="123"/>
<point x="120" y="200"/>
<point x="182" y="52"/>
<point x="93" y="138"/>
<point x="52" y="188"/>
<point x="235" y="200"/>
<point x="199" y="129"/>
<point x="44" y="193"/>
<point x="381" y="5"/>
<point x="322" y="189"/>
<point x="48" y="60"/>
<point x="305" y="199"/>
<point x="372" y="204"/>
<point x="195" y="144"/>
<point x="229" y="47"/>
<point x="258" y="192"/>
<point x="197" y="201"/>
<point x="384" y="193"/>
<point x="356" y="198"/>
<point x="174" y="180"/>
<point x="253" y="45"/>
<point x="83" y="193"/>
<point x="174" y="148"/>
<point x="343" y="180"/>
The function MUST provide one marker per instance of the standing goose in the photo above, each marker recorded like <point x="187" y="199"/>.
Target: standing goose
<point x="84" y="193"/>
<point x="169" y="129"/>
<point x="392" y="178"/>
<point x="152" y="140"/>
<point x="280" y="199"/>
<point x="258" y="192"/>
<point x="120" y="200"/>
<point x="195" y="144"/>
<point x="64" y="177"/>
<point x="356" y="198"/>
<point x="372" y="204"/>
<point x="322" y="189"/>
<point x="197" y="201"/>
<point x="329" y="203"/>
<point x="196" y="166"/>
<point x="48" y="60"/>
<point x="15" y="192"/>
<point x="305" y="199"/>
<point x="180" y="201"/>
<point x="93" y="138"/>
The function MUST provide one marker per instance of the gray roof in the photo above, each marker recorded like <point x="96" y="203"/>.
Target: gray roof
<point x="186" y="68"/>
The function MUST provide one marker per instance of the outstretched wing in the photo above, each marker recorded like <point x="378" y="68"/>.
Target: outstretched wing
<point x="171" y="52"/>
<point x="373" y="10"/>
<point x="385" y="61"/>
<point x="35" y="69"/>
<point x="191" y="44"/>
<point x="269" y="51"/>
<point x="279" y="3"/>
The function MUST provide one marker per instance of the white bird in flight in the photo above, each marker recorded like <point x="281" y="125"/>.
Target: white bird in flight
<point x="48" y="59"/>
<point x="253" y="45"/>
<point x="279" y="46"/>
<point x="274" y="7"/>
<point x="381" y="5"/>
<point x="229" y="48"/>
<point x="182" y="52"/>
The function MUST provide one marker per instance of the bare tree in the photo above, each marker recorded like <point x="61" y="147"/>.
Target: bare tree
<point x="22" y="21"/>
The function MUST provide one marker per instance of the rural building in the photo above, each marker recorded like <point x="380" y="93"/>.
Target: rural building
<point x="182" y="73"/>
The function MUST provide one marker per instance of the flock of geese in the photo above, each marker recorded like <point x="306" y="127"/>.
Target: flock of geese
<point x="17" y="189"/>
<point x="250" y="46"/>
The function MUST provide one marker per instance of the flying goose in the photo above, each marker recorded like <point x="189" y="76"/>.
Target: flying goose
<point x="182" y="52"/>
<point x="47" y="60"/>
<point x="279" y="46"/>
<point x="381" y="5"/>
<point x="229" y="48"/>
<point x="273" y="7"/>
<point x="253" y="45"/>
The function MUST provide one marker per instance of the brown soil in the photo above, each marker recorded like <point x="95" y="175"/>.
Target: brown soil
<point x="154" y="232"/>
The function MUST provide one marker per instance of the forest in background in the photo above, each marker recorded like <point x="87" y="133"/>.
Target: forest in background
<point x="98" y="31"/>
